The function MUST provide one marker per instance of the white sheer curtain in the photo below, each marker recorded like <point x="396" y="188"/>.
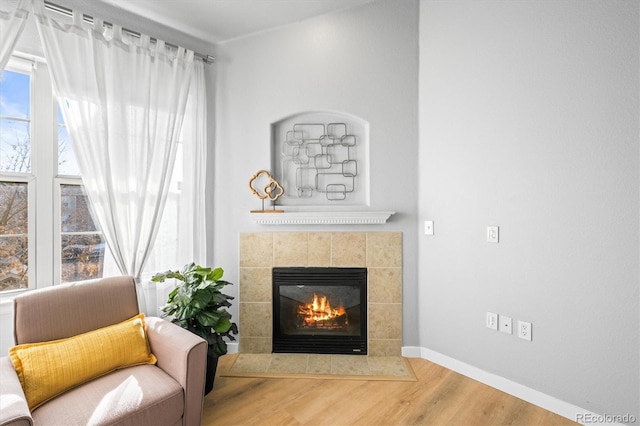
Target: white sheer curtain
<point x="192" y="243"/>
<point x="123" y="101"/>
<point x="182" y="235"/>
<point x="11" y="26"/>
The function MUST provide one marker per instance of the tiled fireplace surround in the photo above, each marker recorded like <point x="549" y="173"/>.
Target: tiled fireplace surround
<point x="379" y="252"/>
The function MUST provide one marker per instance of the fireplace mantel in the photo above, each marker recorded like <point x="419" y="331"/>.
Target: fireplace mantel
<point x="321" y="218"/>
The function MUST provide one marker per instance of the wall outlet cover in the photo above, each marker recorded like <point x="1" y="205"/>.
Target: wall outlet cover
<point x="524" y="330"/>
<point x="506" y="324"/>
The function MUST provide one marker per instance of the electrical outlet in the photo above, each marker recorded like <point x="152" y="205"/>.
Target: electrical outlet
<point x="506" y="325"/>
<point x="524" y="330"/>
<point x="492" y="321"/>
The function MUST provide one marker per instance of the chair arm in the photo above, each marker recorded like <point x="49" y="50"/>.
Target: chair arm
<point x="14" y="410"/>
<point x="182" y="355"/>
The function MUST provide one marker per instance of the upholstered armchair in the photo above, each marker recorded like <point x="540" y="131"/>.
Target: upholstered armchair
<point x="91" y="329"/>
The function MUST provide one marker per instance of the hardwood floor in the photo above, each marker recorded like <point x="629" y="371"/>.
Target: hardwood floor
<point x="439" y="397"/>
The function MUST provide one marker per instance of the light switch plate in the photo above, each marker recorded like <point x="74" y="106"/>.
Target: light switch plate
<point x="493" y="234"/>
<point x="428" y="227"/>
<point x="492" y="321"/>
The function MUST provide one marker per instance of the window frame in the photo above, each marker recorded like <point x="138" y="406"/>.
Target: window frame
<point x="44" y="231"/>
<point x="26" y="65"/>
<point x="59" y="181"/>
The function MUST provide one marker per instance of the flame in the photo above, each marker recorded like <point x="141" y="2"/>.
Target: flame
<point x="319" y="311"/>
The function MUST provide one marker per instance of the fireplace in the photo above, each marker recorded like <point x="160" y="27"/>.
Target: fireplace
<point x="379" y="252"/>
<point x="320" y="310"/>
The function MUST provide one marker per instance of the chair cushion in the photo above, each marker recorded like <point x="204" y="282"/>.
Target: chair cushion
<point x="50" y="368"/>
<point x="140" y="395"/>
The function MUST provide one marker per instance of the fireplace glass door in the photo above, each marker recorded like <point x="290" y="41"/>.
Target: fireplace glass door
<point x="320" y="310"/>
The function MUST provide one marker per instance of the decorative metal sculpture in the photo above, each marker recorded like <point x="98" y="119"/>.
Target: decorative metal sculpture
<point x="318" y="158"/>
<point x="264" y="186"/>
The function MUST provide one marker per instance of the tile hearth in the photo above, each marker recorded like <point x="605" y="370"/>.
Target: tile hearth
<point x="379" y="252"/>
<point x="320" y="366"/>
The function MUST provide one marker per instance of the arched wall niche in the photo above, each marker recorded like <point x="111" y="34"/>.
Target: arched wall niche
<point x="321" y="158"/>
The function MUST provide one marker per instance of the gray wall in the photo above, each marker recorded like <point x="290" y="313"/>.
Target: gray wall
<point x="529" y="121"/>
<point x="361" y="61"/>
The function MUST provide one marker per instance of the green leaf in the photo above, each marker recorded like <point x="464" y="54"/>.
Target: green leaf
<point x="220" y="347"/>
<point x="208" y="318"/>
<point x="200" y="271"/>
<point x="200" y="299"/>
<point x="173" y="294"/>
<point x="216" y="274"/>
<point x="222" y="326"/>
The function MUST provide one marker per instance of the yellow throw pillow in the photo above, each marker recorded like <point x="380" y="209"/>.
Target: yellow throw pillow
<point x="48" y="369"/>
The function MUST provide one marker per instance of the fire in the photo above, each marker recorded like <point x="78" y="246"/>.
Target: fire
<point x="320" y="314"/>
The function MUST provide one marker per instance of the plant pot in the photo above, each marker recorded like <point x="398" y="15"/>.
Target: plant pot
<point x="212" y="366"/>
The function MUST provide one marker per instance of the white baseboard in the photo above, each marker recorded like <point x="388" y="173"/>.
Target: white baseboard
<point x="232" y="347"/>
<point x="525" y="393"/>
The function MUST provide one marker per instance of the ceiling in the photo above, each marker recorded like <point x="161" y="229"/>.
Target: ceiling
<point x="215" y="21"/>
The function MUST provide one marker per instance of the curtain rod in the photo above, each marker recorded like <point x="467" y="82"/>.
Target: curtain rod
<point x="207" y="59"/>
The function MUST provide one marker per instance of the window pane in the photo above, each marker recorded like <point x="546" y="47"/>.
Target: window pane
<point x="15" y="146"/>
<point x="66" y="159"/>
<point x="14" y="95"/>
<point x="13" y="263"/>
<point x="14" y="253"/>
<point x="75" y="213"/>
<point x="82" y="257"/>
<point x="82" y="248"/>
<point x="14" y="212"/>
<point x="15" y="139"/>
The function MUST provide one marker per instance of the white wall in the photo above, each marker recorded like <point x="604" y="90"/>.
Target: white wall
<point x="529" y="120"/>
<point x="361" y="61"/>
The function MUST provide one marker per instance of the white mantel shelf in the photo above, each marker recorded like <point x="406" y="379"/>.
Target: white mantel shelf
<point x="321" y="218"/>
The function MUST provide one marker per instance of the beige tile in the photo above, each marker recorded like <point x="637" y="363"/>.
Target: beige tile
<point x="290" y="248"/>
<point x="349" y="364"/>
<point x="385" y="347"/>
<point x="256" y="249"/>
<point x="385" y="285"/>
<point x="319" y="364"/>
<point x="320" y="249"/>
<point x="348" y="249"/>
<point x="385" y="321"/>
<point x="255" y="285"/>
<point x="288" y="363"/>
<point x="252" y="363"/>
<point x="384" y="249"/>
<point x="387" y="365"/>
<point x="381" y="252"/>
<point x="255" y="319"/>
<point x="255" y="345"/>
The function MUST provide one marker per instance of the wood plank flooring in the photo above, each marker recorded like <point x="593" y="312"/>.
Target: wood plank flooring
<point x="439" y="397"/>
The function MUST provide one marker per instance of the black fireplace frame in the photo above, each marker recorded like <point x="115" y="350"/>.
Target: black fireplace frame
<point x="319" y="344"/>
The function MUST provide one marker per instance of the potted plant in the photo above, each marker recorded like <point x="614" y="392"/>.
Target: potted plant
<point x="198" y="305"/>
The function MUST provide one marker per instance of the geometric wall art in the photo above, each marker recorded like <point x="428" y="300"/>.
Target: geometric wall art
<point x="321" y="159"/>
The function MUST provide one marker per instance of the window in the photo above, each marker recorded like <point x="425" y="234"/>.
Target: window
<point x="15" y="178"/>
<point x="51" y="222"/>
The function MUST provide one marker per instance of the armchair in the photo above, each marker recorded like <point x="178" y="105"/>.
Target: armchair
<point x="167" y="393"/>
